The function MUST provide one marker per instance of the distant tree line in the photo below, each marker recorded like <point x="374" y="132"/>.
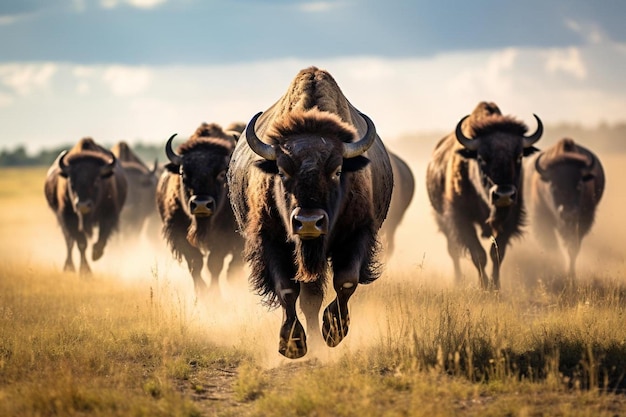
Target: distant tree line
<point x="603" y="138"/>
<point x="19" y="157"/>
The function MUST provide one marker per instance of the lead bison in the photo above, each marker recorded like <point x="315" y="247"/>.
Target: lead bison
<point x="192" y="200"/>
<point x="474" y="179"/>
<point x="139" y="210"/>
<point x="565" y="185"/>
<point x="310" y="184"/>
<point x="86" y="188"/>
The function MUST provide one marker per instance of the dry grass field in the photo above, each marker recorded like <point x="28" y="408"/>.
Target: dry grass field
<point x="132" y="341"/>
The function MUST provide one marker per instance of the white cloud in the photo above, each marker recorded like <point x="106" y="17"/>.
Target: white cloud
<point x="590" y="32"/>
<point x="140" y="4"/>
<point x="8" y="19"/>
<point x="567" y="60"/>
<point x="127" y="81"/>
<point x="401" y="95"/>
<point x="319" y="6"/>
<point x="27" y="78"/>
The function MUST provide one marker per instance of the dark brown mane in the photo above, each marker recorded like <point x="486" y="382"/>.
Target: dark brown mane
<point x="564" y="151"/>
<point x="87" y="155"/>
<point x="212" y="130"/>
<point x="213" y="144"/>
<point x="311" y="122"/>
<point x="498" y="123"/>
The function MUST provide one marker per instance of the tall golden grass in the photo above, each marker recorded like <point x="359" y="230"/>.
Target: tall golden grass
<point x="132" y="340"/>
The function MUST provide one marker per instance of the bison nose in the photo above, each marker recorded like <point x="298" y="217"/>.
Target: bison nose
<point x="503" y="195"/>
<point x="309" y="223"/>
<point x="202" y="205"/>
<point x="84" y="207"/>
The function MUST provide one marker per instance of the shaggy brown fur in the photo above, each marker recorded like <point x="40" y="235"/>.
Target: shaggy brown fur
<point x="205" y="156"/>
<point x="459" y="188"/>
<point x="308" y="126"/>
<point x="76" y="186"/>
<point x="563" y="196"/>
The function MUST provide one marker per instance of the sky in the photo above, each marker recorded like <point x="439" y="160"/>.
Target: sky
<point x="140" y="70"/>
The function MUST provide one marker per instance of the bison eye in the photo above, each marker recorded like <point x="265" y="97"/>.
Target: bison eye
<point x="519" y="158"/>
<point x="337" y="174"/>
<point x="282" y="174"/>
<point x="221" y="176"/>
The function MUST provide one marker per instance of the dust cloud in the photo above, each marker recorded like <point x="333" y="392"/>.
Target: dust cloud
<point x="240" y="319"/>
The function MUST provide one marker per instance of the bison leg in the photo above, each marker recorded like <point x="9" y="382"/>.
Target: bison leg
<point x="455" y="253"/>
<point x="336" y="320"/>
<point x="215" y="264"/>
<point x="292" y="336"/>
<point x="311" y="298"/>
<point x="195" y="262"/>
<point x="497" y="251"/>
<point x="105" y="229"/>
<point x="573" y="248"/>
<point x="81" y="242"/>
<point x="69" y="245"/>
<point x="468" y="238"/>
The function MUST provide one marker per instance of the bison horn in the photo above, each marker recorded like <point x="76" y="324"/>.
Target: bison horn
<point x="171" y="155"/>
<point x="471" y="144"/>
<point x="61" y="162"/>
<point x="530" y="140"/>
<point x="539" y="168"/>
<point x="155" y="167"/>
<point x="108" y="168"/>
<point x="257" y="145"/>
<point x="351" y="150"/>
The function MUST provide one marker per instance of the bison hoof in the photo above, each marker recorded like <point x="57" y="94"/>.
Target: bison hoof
<point x="98" y="250"/>
<point x="69" y="267"/>
<point x="292" y="340"/>
<point x="85" y="271"/>
<point x="335" y="325"/>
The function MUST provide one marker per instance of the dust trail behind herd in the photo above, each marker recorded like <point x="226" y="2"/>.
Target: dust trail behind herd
<point x="32" y="237"/>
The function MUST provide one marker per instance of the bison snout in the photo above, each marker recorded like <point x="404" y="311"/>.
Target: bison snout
<point x="201" y="205"/>
<point x="309" y="223"/>
<point x="503" y="195"/>
<point x="84" y="207"/>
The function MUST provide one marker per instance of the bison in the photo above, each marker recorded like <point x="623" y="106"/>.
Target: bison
<point x="192" y="201"/>
<point x="564" y="186"/>
<point x="310" y="187"/>
<point x="402" y="194"/>
<point x="86" y="188"/>
<point x="474" y="179"/>
<point x="140" y="207"/>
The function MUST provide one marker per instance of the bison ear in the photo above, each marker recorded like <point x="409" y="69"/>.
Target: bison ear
<point x="173" y="168"/>
<point x="106" y="174"/>
<point x="531" y="150"/>
<point x="588" y="177"/>
<point x="466" y="153"/>
<point x="269" y="167"/>
<point x="355" y="164"/>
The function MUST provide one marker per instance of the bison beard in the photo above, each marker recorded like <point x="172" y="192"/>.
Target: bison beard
<point x="310" y="257"/>
<point x="199" y="231"/>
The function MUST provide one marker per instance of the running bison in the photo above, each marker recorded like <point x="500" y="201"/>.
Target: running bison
<point x="86" y="188"/>
<point x="310" y="187"/>
<point x="140" y="207"/>
<point x="565" y="185"/>
<point x="474" y="179"/>
<point x="403" y="190"/>
<point x="192" y="200"/>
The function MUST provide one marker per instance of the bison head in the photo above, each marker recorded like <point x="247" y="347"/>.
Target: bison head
<point x="313" y="160"/>
<point x="202" y="165"/>
<point x="85" y="173"/>
<point x="498" y="145"/>
<point x="569" y="178"/>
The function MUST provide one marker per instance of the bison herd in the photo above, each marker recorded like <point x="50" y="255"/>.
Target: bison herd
<point x="307" y="194"/>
